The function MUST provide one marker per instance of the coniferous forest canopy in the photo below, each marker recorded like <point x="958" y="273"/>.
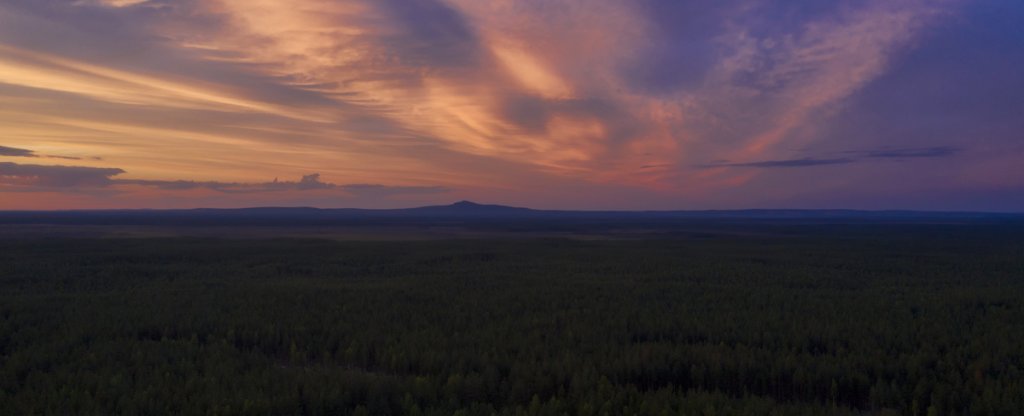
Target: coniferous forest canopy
<point x="799" y="320"/>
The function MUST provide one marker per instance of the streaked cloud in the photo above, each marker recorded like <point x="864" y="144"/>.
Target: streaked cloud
<point x="35" y="178"/>
<point x="851" y="157"/>
<point x="31" y="180"/>
<point x="310" y="182"/>
<point x="16" y="177"/>
<point x="791" y="163"/>
<point x="15" y="152"/>
<point x="913" y="153"/>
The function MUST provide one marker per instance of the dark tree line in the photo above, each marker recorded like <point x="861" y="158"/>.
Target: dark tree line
<point x="908" y="321"/>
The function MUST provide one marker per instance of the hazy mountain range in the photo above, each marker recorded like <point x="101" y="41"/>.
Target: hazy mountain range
<point x="459" y="211"/>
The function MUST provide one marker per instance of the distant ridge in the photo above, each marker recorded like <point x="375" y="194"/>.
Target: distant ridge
<point x="472" y="208"/>
<point x="458" y="211"/>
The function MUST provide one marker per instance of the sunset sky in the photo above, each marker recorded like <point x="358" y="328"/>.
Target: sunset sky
<point x="576" y="104"/>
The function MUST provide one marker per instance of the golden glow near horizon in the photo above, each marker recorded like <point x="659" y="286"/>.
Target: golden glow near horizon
<point x="596" y="103"/>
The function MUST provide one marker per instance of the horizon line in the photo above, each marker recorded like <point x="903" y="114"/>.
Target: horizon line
<point x="473" y="203"/>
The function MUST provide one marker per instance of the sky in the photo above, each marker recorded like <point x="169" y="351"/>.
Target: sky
<point x="567" y="104"/>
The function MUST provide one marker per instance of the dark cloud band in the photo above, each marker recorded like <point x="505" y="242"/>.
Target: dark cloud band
<point x="856" y="157"/>
<point x="15" y="152"/>
<point x="80" y="178"/>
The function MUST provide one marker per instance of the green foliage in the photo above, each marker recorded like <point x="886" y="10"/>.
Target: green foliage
<point x="911" y="322"/>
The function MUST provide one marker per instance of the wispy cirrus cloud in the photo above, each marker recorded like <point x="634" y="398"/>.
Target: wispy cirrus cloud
<point x="775" y="79"/>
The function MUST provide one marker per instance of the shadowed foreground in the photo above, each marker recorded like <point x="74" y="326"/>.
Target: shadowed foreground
<point x="918" y="320"/>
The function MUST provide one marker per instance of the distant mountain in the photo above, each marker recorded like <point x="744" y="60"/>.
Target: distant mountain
<point x="467" y="208"/>
<point x="461" y="211"/>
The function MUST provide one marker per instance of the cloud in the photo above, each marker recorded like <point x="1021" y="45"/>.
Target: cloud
<point x="306" y="183"/>
<point x="913" y="153"/>
<point x="58" y="176"/>
<point x="14" y="152"/>
<point x="791" y="163"/>
<point x="857" y="157"/>
<point x="431" y="33"/>
<point x="79" y="178"/>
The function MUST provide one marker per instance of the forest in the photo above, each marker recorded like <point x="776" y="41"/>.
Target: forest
<point x="852" y="320"/>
